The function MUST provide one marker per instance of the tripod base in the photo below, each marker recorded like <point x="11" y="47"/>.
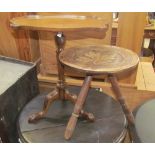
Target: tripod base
<point x="50" y="98"/>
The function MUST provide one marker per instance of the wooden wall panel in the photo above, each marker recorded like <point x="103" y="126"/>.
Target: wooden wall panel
<point x="8" y="45"/>
<point x="21" y="44"/>
<point x="27" y="41"/>
<point x="130" y="35"/>
<point x="131" y="30"/>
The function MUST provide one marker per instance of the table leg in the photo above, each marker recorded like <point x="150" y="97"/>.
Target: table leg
<point x="121" y="100"/>
<point x="78" y="107"/>
<point x="60" y="92"/>
<point x="60" y="43"/>
<point x="47" y="102"/>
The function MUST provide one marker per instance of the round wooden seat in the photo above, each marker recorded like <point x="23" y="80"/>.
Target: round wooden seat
<point x="99" y="59"/>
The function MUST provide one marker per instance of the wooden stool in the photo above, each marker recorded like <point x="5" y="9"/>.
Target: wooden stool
<point x="95" y="60"/>
<point x="91" y="60"/>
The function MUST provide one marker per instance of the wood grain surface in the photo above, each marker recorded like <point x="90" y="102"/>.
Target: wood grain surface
<point x="130" y="35"/>
<point x="131" y="30"/>
<point x="47" y="43"/>
<point x="99" y="59"/>
<point x="59" y="22"/>
<point x="133" y="96"/>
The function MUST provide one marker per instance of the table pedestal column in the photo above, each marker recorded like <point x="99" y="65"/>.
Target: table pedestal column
<point x="60" y="91"/>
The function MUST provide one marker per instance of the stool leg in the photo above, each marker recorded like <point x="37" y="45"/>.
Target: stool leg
<point x="120" y="98"/>
<point x="78" y="107"/>
<point x="60" y="43"/>
<point x="83" y="114"/>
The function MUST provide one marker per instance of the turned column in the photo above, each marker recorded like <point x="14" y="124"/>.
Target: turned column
<point x="60" y="43"/>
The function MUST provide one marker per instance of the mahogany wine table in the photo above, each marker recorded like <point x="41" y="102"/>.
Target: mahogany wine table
<point x="109" y="126"/>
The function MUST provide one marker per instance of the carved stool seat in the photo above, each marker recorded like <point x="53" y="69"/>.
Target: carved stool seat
<point x="99" y="59"/>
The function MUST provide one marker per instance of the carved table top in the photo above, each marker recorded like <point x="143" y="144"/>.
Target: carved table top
<point x="99" y="59"/>
<point x="59" y="22"/>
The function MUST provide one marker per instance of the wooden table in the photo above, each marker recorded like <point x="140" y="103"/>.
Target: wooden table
<point x="92" y="60"/>
<point x="60" y="25"/>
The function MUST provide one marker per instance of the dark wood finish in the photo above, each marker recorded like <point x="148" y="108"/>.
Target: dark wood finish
<point x="78" y="107"/>
<point x="110" y="124"/>
<point x="127" y="112"/>
<point x="114" y="36"/>
<point x="60" y="92"/>
<point x="54" y="24"/>
<point x="99" y="59"/>
<point x="149" y="34"/>
<point x="60" y="43"/>
<point x="47" y="102"/>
